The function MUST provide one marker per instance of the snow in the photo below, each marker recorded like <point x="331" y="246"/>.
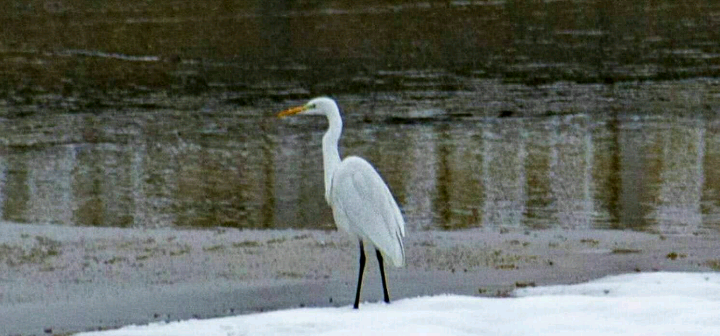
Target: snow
<point x="661" y="303"/>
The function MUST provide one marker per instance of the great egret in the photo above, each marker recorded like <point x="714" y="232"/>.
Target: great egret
<point x="361" y="202"/>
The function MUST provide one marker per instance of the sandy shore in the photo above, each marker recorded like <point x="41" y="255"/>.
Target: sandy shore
<point x="56" y="279"/>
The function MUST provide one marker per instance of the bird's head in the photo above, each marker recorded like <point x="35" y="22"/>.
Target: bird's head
<point x="317" y="106"/>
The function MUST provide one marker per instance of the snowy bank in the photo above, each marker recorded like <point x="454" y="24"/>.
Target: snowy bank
<point x="662" y="303"/>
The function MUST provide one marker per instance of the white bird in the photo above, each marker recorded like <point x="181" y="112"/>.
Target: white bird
<point x="361" y="202"/>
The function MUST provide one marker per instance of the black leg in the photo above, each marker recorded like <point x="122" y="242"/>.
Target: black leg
<point x="360" y="275"/>
<point x="382" y="274"/>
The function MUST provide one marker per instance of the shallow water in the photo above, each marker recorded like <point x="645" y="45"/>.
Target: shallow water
<point x="572" y="114"/>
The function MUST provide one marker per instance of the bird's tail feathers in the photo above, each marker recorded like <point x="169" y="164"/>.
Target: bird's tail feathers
<point x="398" y="255"/>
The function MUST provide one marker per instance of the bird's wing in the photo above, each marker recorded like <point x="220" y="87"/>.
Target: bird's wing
<point x="363" y="205"/>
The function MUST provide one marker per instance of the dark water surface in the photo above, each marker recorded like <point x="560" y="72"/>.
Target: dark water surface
<point x="523" y="114"/>
<point x="93" y="51"/>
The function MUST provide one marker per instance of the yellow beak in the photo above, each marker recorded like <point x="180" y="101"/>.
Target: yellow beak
<point x="289" y="112"/>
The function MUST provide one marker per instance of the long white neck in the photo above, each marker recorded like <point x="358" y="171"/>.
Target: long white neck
<point x="331" y="156"/>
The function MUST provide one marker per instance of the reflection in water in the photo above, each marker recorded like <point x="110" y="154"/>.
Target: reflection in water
<point x="201" y="170"/>
<point x="710" y="198"/>
<point x="571" y="161"/>
<point x="148" y="113"/>
<point x="416" y="182"/>
<point x="503" y="173"/>
<point x="635" y="171"/>
<point x="682" y="148"/>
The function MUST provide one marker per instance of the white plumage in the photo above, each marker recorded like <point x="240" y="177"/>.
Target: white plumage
<point x="361" y="202"/>
<point x="363" y="206"/>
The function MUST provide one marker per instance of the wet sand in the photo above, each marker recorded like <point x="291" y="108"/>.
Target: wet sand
<point x="57" y="279"/>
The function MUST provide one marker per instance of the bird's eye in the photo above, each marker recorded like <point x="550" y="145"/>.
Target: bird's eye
<point x="311" y="106"/>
